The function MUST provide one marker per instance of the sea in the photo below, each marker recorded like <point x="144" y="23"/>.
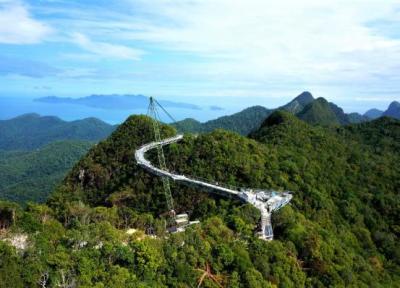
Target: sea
<point x="11" y="107"/>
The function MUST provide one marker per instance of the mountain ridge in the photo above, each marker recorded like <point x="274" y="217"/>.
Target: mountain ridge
<point x="31" y="131"/>
<point x="242" y="123"/>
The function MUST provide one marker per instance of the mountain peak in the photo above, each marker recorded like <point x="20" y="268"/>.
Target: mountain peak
<point x="373" y="113"/>
<point x="393" y="110"/>
<point x="394" y="104"/>
<point x="298" y="103"/>
<point x="319" y="112"/>
<point x="304" y="98"/>
<point x="279" y="117"/>
<point x="322" y="100"/>
<point x="282" y="126"/>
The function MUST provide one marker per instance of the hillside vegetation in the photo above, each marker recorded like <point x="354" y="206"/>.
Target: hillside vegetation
<point x="341" y="229"/>
<point x="33" y="175"/>
<point x="242" y="122"/>
<point x="319" y="112"/>
<point x="32" y="131"/>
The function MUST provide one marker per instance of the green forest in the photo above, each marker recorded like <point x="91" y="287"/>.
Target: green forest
<point x="32" y="175"/>
<point x="36" y="152"/>
<point x="32" y="131"/>
<point x="340" y="230"/>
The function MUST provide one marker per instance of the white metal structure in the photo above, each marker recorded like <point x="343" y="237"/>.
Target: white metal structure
<point x="266" y="201"/>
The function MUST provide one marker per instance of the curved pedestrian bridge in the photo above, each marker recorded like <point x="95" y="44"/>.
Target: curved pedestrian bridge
<point x="266" y="201"/>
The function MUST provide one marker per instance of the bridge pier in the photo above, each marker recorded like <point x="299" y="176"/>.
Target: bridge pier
<point x="266" y="232"/>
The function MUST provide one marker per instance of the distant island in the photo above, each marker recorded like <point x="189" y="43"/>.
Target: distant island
<point x="114" y="102"/>
<point x="216" y="108"/>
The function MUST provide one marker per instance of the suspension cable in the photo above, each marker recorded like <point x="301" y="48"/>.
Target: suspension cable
<point x="165" y="111"/>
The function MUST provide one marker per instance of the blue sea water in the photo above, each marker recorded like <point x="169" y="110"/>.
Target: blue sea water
<point x="15" y="106"/>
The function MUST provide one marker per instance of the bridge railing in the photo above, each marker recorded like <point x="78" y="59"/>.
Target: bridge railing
<point x="213" y="182"/>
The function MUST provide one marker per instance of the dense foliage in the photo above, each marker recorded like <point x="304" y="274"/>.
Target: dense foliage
<point x="242" y="122"/>
<point x="31" y="131"/>
<point x="32" y="175"/>
<point x="340" y="231"/>
<point x="321" y="112"/>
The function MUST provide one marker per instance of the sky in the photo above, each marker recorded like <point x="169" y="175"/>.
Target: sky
<point x="214" y="51"/>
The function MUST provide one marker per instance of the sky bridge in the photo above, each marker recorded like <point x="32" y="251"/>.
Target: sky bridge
<point x="266" y="201"/>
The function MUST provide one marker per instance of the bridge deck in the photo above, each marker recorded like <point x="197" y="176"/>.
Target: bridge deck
<point x="142" y="161"/>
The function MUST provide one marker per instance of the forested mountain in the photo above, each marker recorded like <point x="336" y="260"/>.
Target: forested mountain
<point x="393" y="110"/>
<point x="32" y="175"/>
<point x="341" y="229"/>
<point x="355" y="118"/>
<point x="31" y="131"/>
<point x="242" y="122"/>
<point x="37" y="151"/>
<point x="373" y="113"/>
<point x="305" y="106"/>
<point x="188" y="125"/>
<point x="319" y="112"/>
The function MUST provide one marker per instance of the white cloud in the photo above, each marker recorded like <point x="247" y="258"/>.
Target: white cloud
<point x="105" y="49"/>
<point x="257" y="38"/>
<point x="308" y="40"/>
<point x="337" y="47"/>
<point x="18" y="27"/>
